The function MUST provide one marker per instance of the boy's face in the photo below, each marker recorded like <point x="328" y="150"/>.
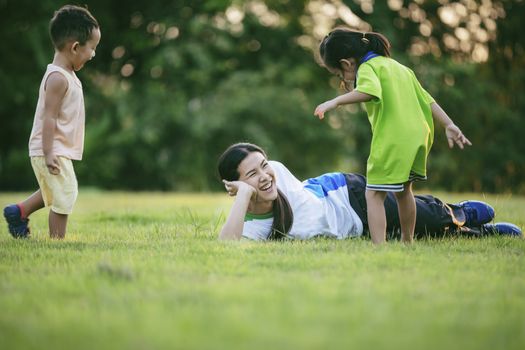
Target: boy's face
<point x="84" y="53"/>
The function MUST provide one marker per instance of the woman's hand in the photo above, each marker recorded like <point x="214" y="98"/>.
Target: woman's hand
<point x="240" y="187"/>
<point x="234" y="224"/>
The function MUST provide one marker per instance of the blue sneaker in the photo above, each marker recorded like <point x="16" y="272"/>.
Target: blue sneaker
<point x="477" y="213"/>
<point x="18" y="227"/>
<point x="503" y="228"/>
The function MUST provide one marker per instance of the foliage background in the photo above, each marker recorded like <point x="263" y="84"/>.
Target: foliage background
<point x="175" y="82"/>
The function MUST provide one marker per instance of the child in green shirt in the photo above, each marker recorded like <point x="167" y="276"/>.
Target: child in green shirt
<point x="401" y="115"/>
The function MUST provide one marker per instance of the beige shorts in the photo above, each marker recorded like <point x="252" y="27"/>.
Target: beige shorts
<point x="58" y="191"/>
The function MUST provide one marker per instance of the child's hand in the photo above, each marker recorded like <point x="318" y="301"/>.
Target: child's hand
<point x="239" y="187"/>
<point x="325" y="107"/>
<point x="454" y="135"/>
<point x="52" y="164"/>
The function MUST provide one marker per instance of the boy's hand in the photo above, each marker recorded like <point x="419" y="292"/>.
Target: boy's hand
<point x="324" y="107"/>
<point x="52" y="164"/>
<point x="454" y="135"/>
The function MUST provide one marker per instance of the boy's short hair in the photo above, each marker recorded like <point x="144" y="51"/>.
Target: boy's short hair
<point x="71" y="22"/>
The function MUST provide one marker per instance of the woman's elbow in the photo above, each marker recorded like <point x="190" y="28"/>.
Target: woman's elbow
<point x="228" y="236"/>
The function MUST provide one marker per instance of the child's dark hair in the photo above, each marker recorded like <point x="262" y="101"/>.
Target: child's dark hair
<point x="71" y="22"/>
<point x="227" y="166"/>
<point x="345" y="43"/>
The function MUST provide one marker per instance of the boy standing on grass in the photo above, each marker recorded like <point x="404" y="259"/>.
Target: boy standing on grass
<point x="57" y="136"/>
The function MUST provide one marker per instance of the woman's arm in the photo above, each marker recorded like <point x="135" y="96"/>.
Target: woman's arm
<point x="234" y="224"/>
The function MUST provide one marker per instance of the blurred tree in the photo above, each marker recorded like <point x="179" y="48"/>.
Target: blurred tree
<point x="175" y="82"/>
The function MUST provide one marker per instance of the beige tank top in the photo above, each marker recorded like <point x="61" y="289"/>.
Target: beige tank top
<point x="69" y="132"/>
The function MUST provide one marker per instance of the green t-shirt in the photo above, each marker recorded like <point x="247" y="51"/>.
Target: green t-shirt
<point x="401" y="121"/>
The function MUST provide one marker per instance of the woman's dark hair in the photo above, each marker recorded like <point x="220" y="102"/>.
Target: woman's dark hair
<point x="345" y="43"/>
<point x="228" y="165"/>
<point x="71" y="22"/>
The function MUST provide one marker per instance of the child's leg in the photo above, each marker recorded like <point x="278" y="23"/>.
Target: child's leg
<point x="33" y="203"/>
<point x="57" y="225"/>
<point x="60" y="194"/>
<point x="406" y="205"/>
<point x="16" y="215"/>
<point x="376" y="215"/>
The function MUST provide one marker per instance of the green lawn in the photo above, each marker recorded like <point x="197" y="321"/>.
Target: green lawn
<point x="145" y="271"/>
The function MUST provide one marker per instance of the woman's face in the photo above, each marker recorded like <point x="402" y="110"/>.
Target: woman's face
<point x="255" y="171"/>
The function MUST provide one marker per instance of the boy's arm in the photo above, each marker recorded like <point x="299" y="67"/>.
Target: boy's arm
<point x="351" y="97"/>
<point x="56" y="86"/>
<point x="454" y="134"/>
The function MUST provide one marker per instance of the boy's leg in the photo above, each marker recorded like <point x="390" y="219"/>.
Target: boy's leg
<point x="61" y="194"/>
<point x="57" y="225"/>
<point x="376" y="215"/>
<point x="406" y="205"/>
<point x="33" y="203"/>
<point x="17" y="215"/>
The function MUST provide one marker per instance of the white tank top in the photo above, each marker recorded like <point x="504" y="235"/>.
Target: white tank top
<point x="69" y="132"/>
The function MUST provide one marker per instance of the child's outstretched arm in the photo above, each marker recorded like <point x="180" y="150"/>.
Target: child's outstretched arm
<point x="454" y="134"/>
<point x="351" y="97"/>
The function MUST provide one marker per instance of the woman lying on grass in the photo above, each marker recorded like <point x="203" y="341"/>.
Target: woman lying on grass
<point x="271" y="203"/>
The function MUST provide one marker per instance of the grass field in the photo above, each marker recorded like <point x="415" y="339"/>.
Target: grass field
<point x="145" y="271"/>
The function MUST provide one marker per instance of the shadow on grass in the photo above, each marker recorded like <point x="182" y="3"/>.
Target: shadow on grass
<point x="64" y="245"/>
